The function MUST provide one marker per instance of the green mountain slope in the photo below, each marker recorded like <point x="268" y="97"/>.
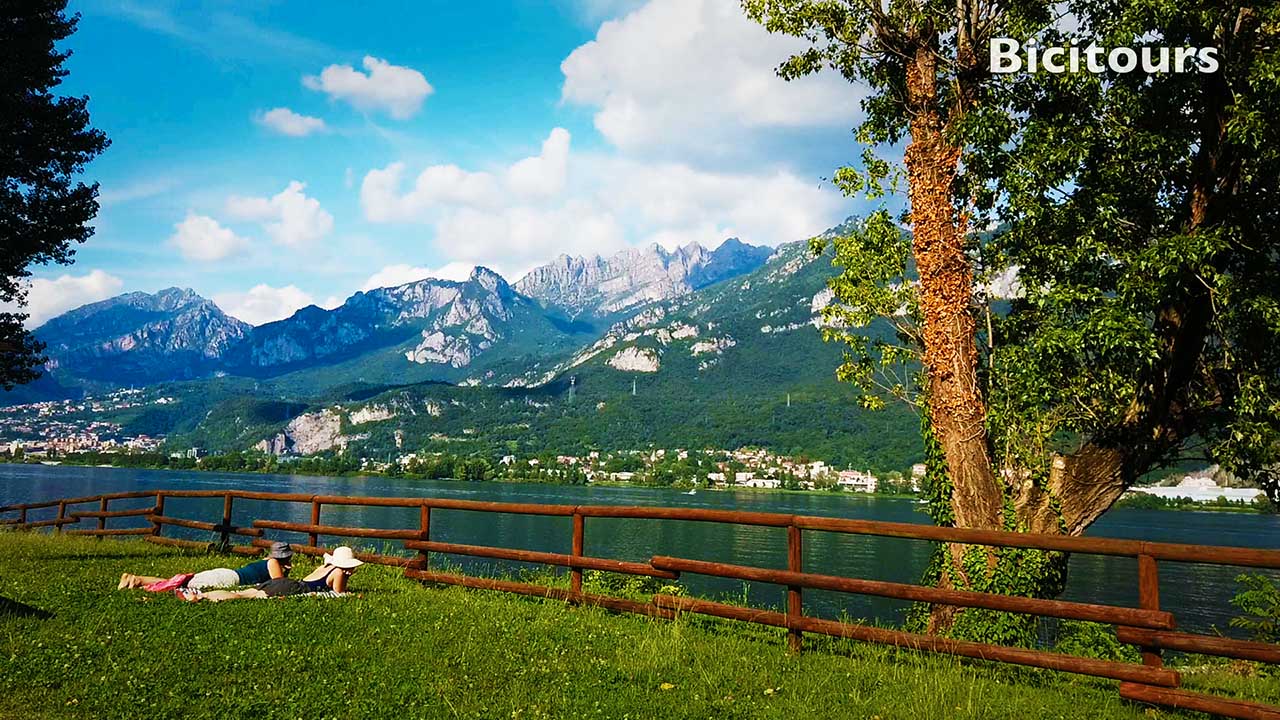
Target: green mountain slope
<point x="738" y="363"/>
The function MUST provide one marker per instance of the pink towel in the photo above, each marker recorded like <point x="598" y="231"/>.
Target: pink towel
<point x="176" y="581"/>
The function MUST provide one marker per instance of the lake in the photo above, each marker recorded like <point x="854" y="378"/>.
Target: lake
<point x="1198" y="595"/>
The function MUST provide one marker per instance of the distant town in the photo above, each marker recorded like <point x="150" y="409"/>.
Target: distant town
<point x="68" y="430"/>
<point x="63" y="427"/>
<point x="53" y="430"/>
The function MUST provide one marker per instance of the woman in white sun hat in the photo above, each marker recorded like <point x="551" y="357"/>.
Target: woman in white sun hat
<point x="331" y="576"/>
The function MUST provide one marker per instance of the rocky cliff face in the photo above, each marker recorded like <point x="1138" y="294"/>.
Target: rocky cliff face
<point x="309" y="434"/>
<point x="634" y="277"/>
<point x="141" y="338"/>
<point x="452" y="322"/>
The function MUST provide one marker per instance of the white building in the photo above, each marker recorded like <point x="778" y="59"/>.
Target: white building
<point x="1201" y="489"/>
<point x="856" y="481"/>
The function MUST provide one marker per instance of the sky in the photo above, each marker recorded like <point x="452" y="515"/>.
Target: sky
<point x="272" y="155"/>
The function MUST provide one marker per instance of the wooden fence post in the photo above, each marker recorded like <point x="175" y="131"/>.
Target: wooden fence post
<point x="424" y="532"/>
<point x="102" y="521"/>
<point x="313" y="539"/>
<point x="62" y="514"/>
<point x="1149" y="599"/>
<point x="155" y="526"/>
<point x="575" y="574"/>
<point x="225" y="543"/>
<point x="22" y="517"/>
<point x="795" y="608"/>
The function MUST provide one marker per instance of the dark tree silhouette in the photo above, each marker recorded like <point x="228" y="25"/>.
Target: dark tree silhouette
<point x="45" y="140"/>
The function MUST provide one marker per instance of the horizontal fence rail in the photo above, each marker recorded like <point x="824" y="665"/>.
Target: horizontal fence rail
<point x="1148" y="627"/>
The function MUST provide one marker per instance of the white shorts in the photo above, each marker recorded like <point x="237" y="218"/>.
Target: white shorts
<point x="215" y="578"/>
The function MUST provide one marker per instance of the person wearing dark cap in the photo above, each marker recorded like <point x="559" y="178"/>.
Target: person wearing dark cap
<point x="276" y="565"/>
<point x="331" y="577"/>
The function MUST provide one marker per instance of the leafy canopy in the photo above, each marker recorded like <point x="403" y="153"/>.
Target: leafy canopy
<point x="45" y="140"/>
<point x="1134" y="213"/>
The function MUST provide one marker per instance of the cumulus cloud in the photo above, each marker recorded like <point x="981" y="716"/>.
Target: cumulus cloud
<point x="556" y="203"/>
<point x="443" y="186"/>
<point x="695" y="75"/>
<point x="290" y="217"/>
<point x="402" y="274"/>
<point x="438" y="185"/>
<point x="763" y="208"/>
<point x="263" y="304"/>
<point x="201" y="238"/>
<point x="542" y="175"/>
<point x="287" y="122"/>
<point x="394" y="89"/>
<point x="49" y="298"/>
<point x="516" y="239"/>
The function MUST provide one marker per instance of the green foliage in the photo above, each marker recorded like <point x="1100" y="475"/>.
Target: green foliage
<point x="1135" y="210"/>
<point x="1093" y="640"/>
<point x="1146" y="310"/>
<point x="632" y="586"/>
<point x="45" y="141"/>
<point x="1147" y="501"/>
<point x="1259" y="602"/>
<point x="875" y="289"/>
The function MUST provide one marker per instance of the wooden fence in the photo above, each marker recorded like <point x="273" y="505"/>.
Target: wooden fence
<point x="1147" y="626"/>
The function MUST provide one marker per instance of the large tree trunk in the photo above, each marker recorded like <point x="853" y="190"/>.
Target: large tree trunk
<point x="956" y="408"/>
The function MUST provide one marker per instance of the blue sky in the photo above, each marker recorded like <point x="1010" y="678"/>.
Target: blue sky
<point x="271" y="155"/>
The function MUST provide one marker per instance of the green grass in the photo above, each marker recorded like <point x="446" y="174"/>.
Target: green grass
<point x="404" y="650"/>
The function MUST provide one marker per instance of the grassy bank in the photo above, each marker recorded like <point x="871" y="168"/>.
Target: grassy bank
<point x="73" y="646"/>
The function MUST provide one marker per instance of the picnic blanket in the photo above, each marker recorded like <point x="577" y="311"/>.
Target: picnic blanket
<point x="177" y="581"/>
<point x="324" y="595"/>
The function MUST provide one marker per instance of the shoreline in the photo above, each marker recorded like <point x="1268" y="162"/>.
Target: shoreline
<point x="287" y="472"/>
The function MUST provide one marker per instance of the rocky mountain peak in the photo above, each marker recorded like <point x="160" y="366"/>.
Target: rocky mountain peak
<point x="635" y="276"/>
<point x="173" y="333"/>
<point x="488" y="279"/>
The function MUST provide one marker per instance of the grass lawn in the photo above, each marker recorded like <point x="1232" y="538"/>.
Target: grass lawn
<point x="73" y="646"/>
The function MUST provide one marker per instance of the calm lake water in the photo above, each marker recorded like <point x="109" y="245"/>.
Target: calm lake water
<point x="1198" y="595"/>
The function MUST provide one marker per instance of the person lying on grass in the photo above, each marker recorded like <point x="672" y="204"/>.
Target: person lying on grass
<point x="275" y="566"/>
<point x="331" y="576"/>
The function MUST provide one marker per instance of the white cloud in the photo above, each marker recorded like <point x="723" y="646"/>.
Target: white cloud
<point x="440" y="187"/>
<point x="263" y="304"/>
<point x="697" y="76"/>
<point x="518" y="238"/>
<point x="395" y="89"/>
<point x="287" y="122"/>
<point x="595" y="204"/>
<point x="47" y="299"/>
<point x="402" y="274"/>
<point x="290" y="217"/>
<point x="200" y="237"/>
<point x="542" y="175"/>
<point x="674" y="200"/>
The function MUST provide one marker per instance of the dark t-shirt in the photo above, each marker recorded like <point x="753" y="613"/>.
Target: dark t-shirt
<point x="254" y="573"/>
<point x="282" y="587"/>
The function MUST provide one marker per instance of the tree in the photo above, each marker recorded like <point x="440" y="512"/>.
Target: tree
<point x="1137" y="215"/>
<point x="45" y="140"/>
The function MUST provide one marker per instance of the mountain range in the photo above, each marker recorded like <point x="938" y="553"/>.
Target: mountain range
<point x="425" y="330"/>
<point x="648" y="347"/>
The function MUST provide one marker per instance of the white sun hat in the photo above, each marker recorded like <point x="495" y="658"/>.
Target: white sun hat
<point x="342" y="557"/>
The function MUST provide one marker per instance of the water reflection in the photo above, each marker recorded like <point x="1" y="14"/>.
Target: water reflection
<point x="1199" y="595"/>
